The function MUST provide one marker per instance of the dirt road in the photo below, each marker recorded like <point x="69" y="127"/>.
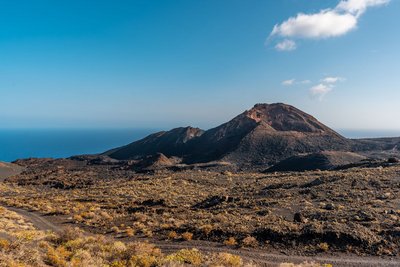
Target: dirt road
<point x="260" y="257"/>
<point x="39" y="221"/>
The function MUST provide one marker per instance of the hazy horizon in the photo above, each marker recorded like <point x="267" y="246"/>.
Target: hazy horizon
<point x="61" y="143"/>
<point x="164" y="64"/>
<point x="346" y="132"/>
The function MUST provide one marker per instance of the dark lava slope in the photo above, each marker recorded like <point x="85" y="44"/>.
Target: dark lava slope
<point x="265" y="134"/>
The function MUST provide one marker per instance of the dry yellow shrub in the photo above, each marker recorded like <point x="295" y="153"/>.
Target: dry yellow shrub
<point x="187" y="236"/>
<point x="231" y="241"/>
<point x="172" y="235"/>
<point x="130" y="232"/>
<point x="227" y="259"/>
<point x="323" y="246"/>
<point x="207" y="228"/>
<point x="4" y="244"/>
<point x="250" y="241"/>
<point x="189" y="256"/>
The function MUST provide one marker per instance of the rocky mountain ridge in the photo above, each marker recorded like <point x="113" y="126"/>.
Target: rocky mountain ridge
<point x="263" y="135"/>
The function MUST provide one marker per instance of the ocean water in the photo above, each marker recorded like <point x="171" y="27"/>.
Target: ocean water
<point x="60" y="143"/>
<point x="369" y="133"/>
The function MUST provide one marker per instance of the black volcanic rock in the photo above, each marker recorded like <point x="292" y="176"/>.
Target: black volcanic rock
<point x="169" y="143"/>
<point x="325" y="160"/>
<point x="153" y="162"/>
<point x="265" y="134"/>
<point x="95" y="159"/>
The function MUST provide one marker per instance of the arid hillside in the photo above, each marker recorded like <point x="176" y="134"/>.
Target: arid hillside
<point x="263" y="135"/>
<point x="9" y="169"/>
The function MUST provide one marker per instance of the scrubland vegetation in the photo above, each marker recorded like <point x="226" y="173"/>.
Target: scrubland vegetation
<point x="352" y="211"/>
<point x="22" y="245"/>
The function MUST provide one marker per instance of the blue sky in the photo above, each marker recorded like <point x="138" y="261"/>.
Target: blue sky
<point x="162" y="64"/>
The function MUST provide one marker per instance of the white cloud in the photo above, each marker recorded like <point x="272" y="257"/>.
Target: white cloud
<point x="286" y="45"/>
<point x="325" y="86"/>
<point x="288" y="82"/>
<point x="294" y="82"/>
<point x="327" y="23"/>
<point x="320" y="90"/>
<point x="358" y="7"/>
<point x="332" y="80"/>
<point x="305" y="82"/>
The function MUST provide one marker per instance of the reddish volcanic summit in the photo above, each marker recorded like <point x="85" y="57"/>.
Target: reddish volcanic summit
<point x="282" y="117"/>
<point x="263" y="135"/>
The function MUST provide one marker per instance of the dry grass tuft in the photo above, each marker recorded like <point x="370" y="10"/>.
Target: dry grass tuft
<point x="231" y="241"/>
<point x="188" y="256"/>
<point x="250" y="241"/>
<point x="187" y="236"/>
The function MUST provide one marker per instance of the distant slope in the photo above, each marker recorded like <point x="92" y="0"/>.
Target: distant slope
<point x="386" y="143"/>
<point x="325" y="160"/>
<point x="169" y="143"/>
<point x="378" y="148"/>
<point x="265" y="134"/>
<point x="9" y="169"/>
